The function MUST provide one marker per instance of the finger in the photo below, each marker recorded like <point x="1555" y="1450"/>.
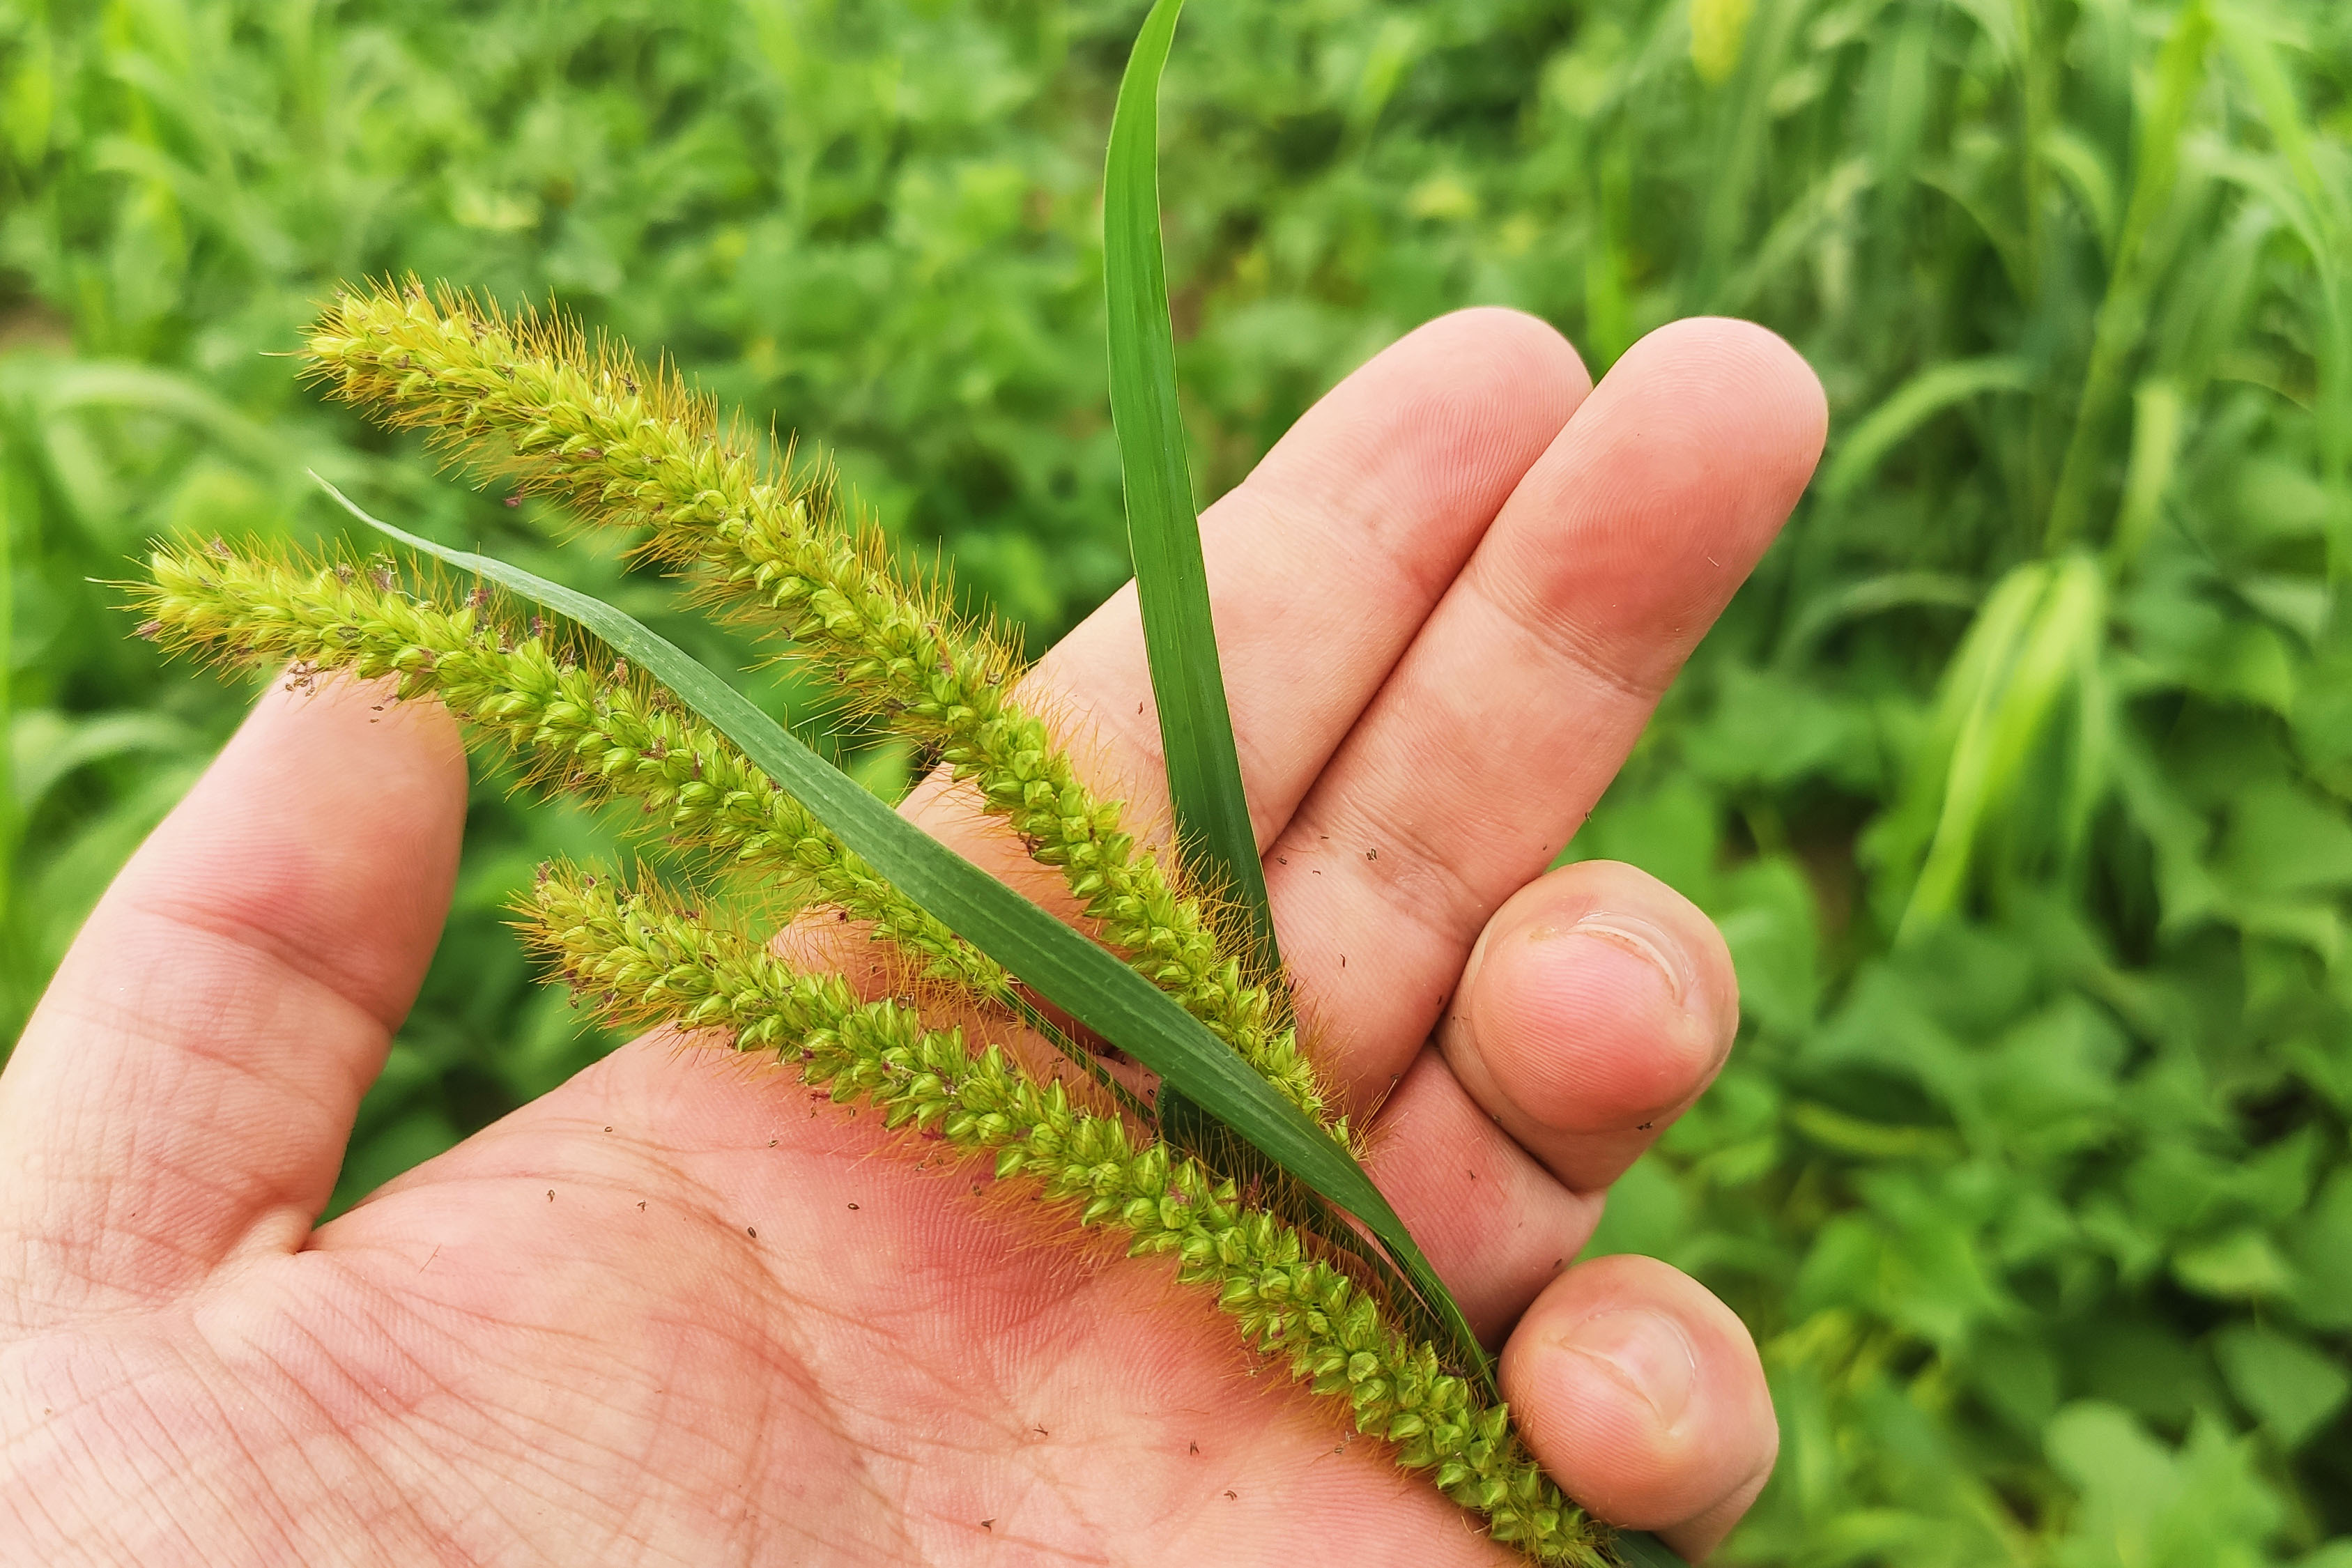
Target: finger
<point x="1521" y="696"/>
<point x="190" y="1078"/>
<point x="1495" y="1224"/>
<point x="1642" y="1396"/>
<point x="1328" y="558"/>
<point x="1596" y="1006"/>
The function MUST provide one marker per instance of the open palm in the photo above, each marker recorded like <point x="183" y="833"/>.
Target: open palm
<point x="680" y="1311"/>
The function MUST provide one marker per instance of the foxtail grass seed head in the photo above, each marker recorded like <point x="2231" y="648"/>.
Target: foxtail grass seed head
<point x="638" y="956"/>
<point x="630" y="448"/>
<point x="594" y="730"/>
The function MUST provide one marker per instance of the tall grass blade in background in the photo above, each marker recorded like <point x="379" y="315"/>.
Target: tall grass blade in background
<point x="1068" y="970"/>
<point x="2037" y="635"/>
<point x="1214" y="831"/>
<point x="2122" y="316"/>
<point x="11" y="1004"/>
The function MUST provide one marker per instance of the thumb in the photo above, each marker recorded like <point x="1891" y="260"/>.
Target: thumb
<point x="188" y="1083"/>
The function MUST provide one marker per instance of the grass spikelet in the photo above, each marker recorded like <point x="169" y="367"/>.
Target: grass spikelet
<point x="635" y="953"/>
<point x="577" y="724"/>
<point x="630" y="448"/>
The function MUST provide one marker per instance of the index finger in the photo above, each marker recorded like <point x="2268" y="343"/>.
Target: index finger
<point x="1323" y="564"/>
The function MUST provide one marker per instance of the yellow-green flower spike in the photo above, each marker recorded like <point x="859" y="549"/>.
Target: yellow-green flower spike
<point x="642" y="958"/>
<point x="588" y="727"/>
<point x="630" y="448"/>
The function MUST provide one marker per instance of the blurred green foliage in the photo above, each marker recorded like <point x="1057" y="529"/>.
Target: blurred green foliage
<point x="2018" y="777"/>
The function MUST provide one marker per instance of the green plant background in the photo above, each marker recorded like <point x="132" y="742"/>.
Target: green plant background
<point x="2018" y="778"/>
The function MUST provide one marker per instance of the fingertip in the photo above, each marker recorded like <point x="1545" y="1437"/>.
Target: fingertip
<point x="1772" y="403"/>
<point x="1643" y="1397"/>
<point x="1518" y="347"/>
<point x="416" y="735"/>
<point x="1659" y="498"/>
<point x="1594" y="1018"/>
<point x="1444" y="421"/>
<point x="1598" y="1004"/>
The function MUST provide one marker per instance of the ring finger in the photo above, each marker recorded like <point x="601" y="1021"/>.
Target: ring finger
<point x="1596" y="1006"/>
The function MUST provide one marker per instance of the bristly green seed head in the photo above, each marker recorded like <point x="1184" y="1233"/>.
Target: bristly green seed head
<point x="576" y="723"/>
<point x="636" y="953"/>
<point x="633" y="448"/>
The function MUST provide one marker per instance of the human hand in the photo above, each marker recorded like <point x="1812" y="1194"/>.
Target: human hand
<point x="672" y="1312"/>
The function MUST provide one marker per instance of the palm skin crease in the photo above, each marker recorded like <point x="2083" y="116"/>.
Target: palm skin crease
<point x="680" y="1311"/>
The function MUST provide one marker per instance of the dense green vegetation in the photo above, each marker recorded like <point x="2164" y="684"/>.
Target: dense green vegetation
<point x="2019" y="777"/>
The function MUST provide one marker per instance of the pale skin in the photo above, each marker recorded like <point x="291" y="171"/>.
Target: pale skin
<point x="1448" y="600"/>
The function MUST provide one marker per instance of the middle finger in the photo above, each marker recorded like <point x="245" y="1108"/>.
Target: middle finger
<point x="1323" y="563"/>
<point x="1498" y="728"/>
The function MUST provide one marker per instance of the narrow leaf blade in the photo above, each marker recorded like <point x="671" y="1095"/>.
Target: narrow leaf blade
<point x="1639" y="1549"/>
<point x="1163" y="527"/>
<point x="1084" y="980"/>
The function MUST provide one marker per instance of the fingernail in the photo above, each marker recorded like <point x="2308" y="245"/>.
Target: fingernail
<point x="1644" y="1351"/>
<point x="1645" y="939"/>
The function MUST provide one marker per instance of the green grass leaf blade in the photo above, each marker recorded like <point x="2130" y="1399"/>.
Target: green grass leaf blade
<point x="2122" y="318"/>
<point x="1911" y="405"/>
<point x="1163" y="527"/>
<point x="1214" y="828"/>
<point x="1639" y="1549"/>
<point x="1084" y="980"/>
